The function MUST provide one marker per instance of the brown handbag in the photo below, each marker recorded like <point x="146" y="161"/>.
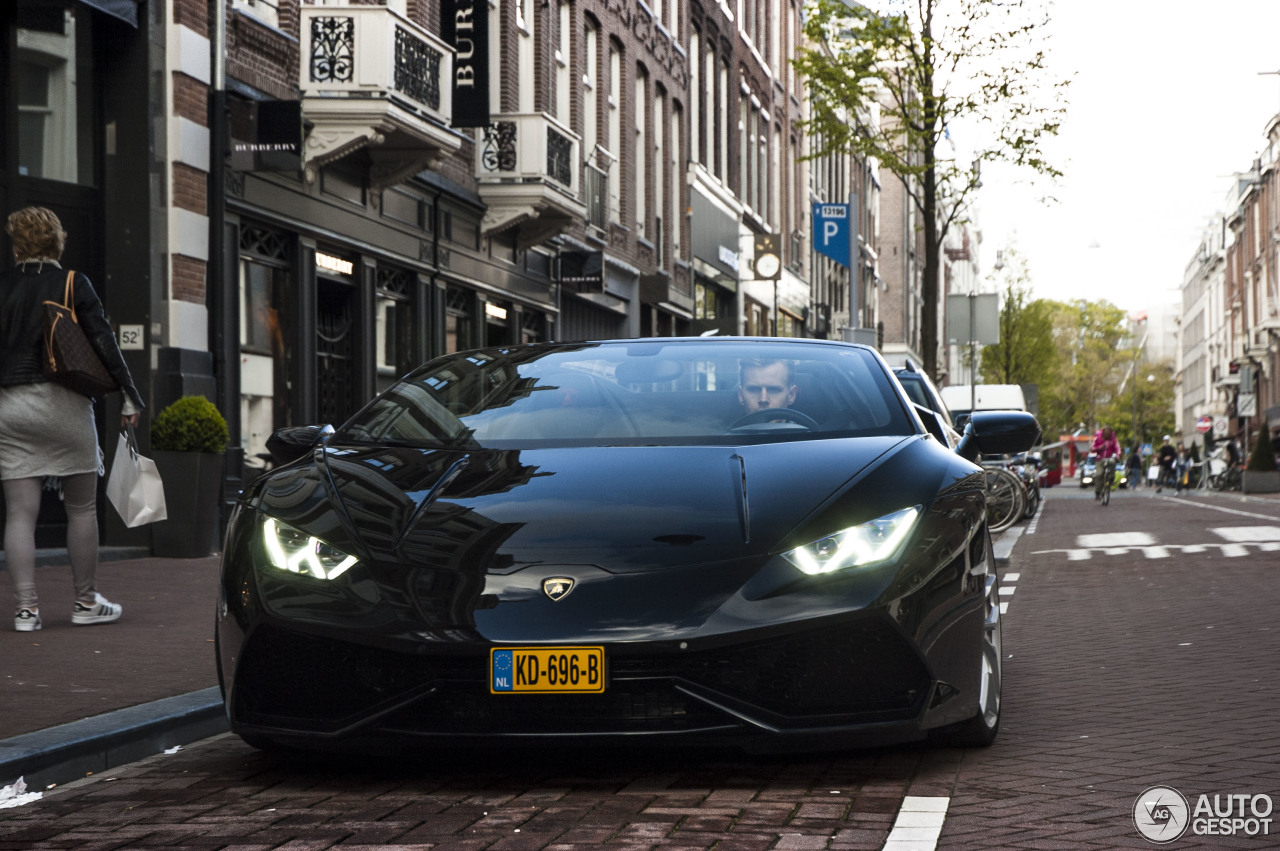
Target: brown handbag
<point x="69" y="357"/>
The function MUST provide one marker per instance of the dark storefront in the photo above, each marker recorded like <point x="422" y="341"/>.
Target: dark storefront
<point x="342" y="291"/>
<point x="72" y="75"/>
<point x="715" y="267"/>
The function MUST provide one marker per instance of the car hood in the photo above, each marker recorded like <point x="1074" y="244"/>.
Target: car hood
<point x="635" y="506"/>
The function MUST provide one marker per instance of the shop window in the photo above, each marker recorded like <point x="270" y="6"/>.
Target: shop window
<point x="394" y="327"/>
<point x="264" y="356"/>
<point x="757" y="320"/>
<point x="459" y="325"/>
<point x="704" y="303"/>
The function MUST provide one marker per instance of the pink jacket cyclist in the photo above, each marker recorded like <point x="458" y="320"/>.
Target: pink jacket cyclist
<point x="1105" y="445"/>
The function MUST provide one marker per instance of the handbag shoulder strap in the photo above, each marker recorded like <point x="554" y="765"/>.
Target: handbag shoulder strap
<point x="67" y="301"/>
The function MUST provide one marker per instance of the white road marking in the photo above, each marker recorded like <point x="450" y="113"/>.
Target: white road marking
<point x="1165" y="550"/>
<point x="1012" y="577"/>
<point x="1221" y="508"/>
<point x="1115" y="539"/>
<point x="1248" y="534"/>
<point x="918" y="825"/>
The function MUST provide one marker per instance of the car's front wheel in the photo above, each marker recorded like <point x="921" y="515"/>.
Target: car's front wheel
<point x="980" y="730"/>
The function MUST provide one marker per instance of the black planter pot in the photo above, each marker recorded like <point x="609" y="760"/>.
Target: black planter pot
<point x="192" y="485"/>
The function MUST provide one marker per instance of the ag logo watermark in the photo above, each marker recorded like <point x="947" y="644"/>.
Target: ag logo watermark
<point x="1163" y="814"/>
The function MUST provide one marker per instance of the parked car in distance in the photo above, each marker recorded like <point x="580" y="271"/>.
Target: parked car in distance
<point x="921" y="390"/>
<point x="964" y="398"/>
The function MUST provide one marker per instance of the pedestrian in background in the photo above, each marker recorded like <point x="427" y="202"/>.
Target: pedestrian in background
<point x="1133" y="467"/>
<point x="47" y="431"/>
<point x="1180" y="467"/>
<point x="1167" y="458"/>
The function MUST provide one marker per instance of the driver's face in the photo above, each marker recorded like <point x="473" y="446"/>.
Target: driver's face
<point x="765" y="387"/>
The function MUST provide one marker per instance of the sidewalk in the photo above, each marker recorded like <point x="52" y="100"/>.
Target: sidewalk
<point x="80" y="699"/>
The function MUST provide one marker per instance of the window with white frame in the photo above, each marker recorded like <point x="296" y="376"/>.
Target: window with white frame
<point x="659" y="166"/>
<point x="615" y="131"/>
<point x="641" y="102"/>
<point x="722" y="122"/>
<point x="590" y="91"/>
<point x="695" y="94"/>
<point x="561" y="93"/>
<point x="677" y="178"/>
<point x="744" y="148"/>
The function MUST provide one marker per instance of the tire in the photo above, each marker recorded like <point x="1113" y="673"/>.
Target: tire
<point x="980" y="730"/>
<point x="1106" y="494"/>
<point x="1006" y="499"/>
<point x="1033" y="501"/>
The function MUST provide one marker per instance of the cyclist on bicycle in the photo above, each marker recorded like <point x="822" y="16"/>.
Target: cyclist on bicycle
<point x="1107" y="449"/>
<point x="1167" y="457"/>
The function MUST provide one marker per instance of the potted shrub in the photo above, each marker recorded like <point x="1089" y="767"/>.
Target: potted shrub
<point x="1260" y="474"/>
<point x="188" y="444"/>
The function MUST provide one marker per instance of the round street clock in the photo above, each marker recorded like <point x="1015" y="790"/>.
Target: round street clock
<point x="767" y="266"/>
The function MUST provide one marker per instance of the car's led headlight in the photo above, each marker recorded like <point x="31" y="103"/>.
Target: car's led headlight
<point x="296" y="551"/>
<point x="871" y="543"/>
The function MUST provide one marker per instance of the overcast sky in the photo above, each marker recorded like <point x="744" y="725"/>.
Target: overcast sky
<point x="1166" y="104"/>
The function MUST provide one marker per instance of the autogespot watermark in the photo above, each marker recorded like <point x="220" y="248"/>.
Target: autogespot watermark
<point x="1163" y="814"/>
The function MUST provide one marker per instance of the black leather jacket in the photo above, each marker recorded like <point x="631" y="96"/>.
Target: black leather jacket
<point x="23" y="292"/>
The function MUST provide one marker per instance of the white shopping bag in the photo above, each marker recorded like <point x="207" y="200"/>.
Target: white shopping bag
<point x="134" y="486"/>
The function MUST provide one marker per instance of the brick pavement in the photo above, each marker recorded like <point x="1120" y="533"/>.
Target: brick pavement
<point x="1127" y="671"/>
<point x="162" y="645"/>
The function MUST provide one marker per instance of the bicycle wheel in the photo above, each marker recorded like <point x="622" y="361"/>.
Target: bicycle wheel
<point x="1033" y="499"/>
<point x="1006" y="499"/>
<point x="1106" y="492"/>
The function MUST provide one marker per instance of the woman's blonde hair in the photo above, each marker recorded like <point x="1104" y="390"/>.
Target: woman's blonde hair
<point x="37" y="234"/>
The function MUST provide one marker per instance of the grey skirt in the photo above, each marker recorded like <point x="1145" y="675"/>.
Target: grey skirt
<point x="46" y="430"/>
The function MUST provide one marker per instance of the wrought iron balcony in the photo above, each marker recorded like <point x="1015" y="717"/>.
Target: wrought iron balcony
<point x="528" y="167"/>
<point x="373" y="79"/>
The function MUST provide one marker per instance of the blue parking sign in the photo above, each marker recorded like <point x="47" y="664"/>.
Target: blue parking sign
<point x="831" y="231"/>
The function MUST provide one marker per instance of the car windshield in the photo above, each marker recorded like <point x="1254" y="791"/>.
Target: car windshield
<point x="637" y="393"/>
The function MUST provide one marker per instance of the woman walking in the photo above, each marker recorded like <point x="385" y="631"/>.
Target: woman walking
<point x="47" y="432"/>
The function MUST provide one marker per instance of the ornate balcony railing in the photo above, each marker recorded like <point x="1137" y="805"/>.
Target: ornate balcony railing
<point x="529" y="147"/>
<point x="373" y="51"/>
<point x="373" y="79"/>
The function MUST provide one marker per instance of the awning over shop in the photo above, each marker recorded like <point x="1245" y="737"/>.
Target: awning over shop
<point x="125" y="10"/>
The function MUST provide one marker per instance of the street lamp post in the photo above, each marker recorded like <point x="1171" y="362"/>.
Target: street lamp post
<point x="1137" y="367"/>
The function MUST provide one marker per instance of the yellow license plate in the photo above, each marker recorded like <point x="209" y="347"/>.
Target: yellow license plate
<point x="541" y="670"/>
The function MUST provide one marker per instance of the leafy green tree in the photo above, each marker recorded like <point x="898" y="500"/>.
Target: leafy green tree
<point x="1147" y="396"/>
<point x="940" y="64"/>
<point x="1089" y="337"/>
<point x="1023" y="355"/>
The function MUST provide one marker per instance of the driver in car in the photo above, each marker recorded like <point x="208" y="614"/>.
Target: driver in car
<point x="765" y="384"/>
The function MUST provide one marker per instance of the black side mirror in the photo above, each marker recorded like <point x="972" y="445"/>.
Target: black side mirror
<point x="290" y="443"/>
<point x="998" y="433"/>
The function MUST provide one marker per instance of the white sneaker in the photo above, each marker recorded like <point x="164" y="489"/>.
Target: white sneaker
<point x="102" y="611"/>
<point x="26" y="621"/>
